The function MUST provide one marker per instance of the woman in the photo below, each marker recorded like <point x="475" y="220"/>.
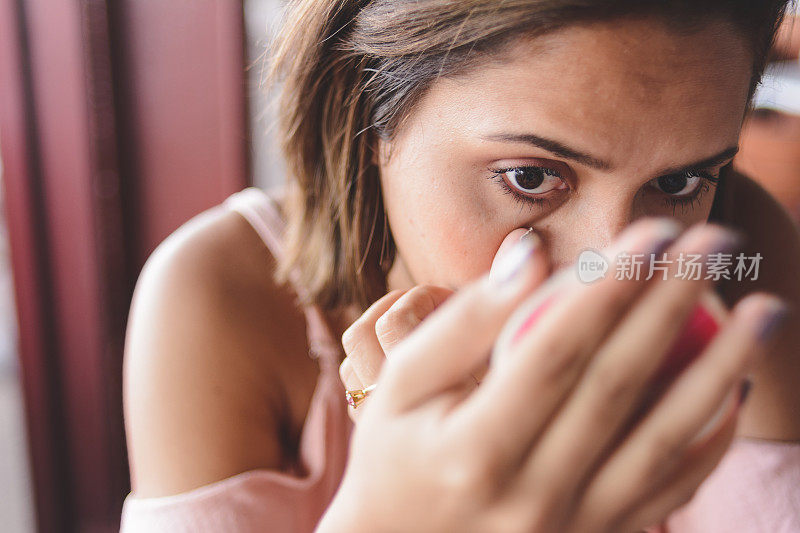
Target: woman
<point x="423" y="140"/>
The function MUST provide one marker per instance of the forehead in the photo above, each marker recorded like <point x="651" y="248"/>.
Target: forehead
<point x="610" y="87"/>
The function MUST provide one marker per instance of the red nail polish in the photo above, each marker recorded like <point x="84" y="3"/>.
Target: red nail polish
<point x="534" y="316"/>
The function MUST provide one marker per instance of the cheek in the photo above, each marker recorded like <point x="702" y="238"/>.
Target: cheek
<point x="442" y="229"/>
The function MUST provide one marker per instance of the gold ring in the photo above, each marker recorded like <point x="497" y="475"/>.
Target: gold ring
<point x="354" y="397"/>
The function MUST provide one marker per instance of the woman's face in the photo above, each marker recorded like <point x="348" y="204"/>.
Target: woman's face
<point x="576" y="134"/>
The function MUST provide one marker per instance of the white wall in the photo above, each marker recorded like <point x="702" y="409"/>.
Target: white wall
<point x="261" y="18"/>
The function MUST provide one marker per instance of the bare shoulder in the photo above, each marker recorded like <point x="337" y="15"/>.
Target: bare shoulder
<point x="208" y="349"/>
<point x="772" y="410"/>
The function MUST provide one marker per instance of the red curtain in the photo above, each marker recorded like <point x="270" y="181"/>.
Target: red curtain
<point x="118" y="122"/>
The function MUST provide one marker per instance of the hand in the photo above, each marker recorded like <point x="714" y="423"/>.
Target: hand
<point x="370" y="339"/>
<point x="543" y="443"/>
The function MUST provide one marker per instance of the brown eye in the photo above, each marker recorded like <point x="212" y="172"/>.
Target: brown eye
<point x="684" y="184"/>
<point x="533" y="180"/>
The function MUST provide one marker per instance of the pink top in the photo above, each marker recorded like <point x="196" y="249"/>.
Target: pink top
<point x="756" y="487"/>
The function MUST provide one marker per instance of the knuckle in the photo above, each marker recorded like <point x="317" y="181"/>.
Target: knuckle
<point x="465" y="476"/>
<point x="344" y="370"/>
<point x="459" y="477"/>
<point x="349" y="339"/>
<point x="422" y="291"/>
<point x="394" y="320"/>
<point x="354" y="335"/>
<point x="617" y="295"/>
<point x="613" y="384"/>
<point x="560" y="359"/>
<point x="408" y="311"/>
<point x="661" y="449"/>
<point x="422" y="300"/>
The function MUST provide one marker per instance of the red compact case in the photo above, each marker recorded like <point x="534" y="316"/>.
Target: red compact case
<point x="700" y="328"/>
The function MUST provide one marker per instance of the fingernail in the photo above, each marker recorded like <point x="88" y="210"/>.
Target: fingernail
<point x="772" y="320"/>
<point x="668" y="232"/>
<point x="727" y="241"/>
<point x="513" y="263"/>
<point x="659" y="246"/>
<point x="744" y="389"/>
<point x="531" y="236"/>
<point x="665" y="232"/>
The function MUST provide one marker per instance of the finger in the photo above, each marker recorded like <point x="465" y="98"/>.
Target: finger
<point x="407" y="313"/>
<point x="496" y="270"/>
<point x="456" y="338"/>
<point x="404" y="314"/>
<point x="361" y="344"/>
<point x="522" y="389"/>
<point x="687" y="404"/>
<point x="618" y="377"/>
<point x="679" y="487"/>
<point x="693" y="399"/>
<point x="604" y="300"/>
<point x="350" y="382"/>
<point x="348" y="376"/>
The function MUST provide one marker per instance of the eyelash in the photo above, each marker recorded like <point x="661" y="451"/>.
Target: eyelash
<point x="497" y="175"/>
<point x="689" y="201"/>
<point x="523" y="200"/>
<point x="708" y="179"/>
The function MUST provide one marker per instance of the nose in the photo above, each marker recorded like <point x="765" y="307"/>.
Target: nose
<point x="590" y="226"/>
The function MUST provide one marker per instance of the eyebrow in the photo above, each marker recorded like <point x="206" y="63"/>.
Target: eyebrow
<point x="551" y="146"/>
<point x="562" y="150"/>
<point x="708" y="162"/>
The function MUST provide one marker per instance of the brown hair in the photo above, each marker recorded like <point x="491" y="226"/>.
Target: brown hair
<point x="351" y="70"/>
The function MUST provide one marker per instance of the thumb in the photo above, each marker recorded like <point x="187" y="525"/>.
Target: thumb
<point x="456" y="339"/>
<point x="507" y="246"/>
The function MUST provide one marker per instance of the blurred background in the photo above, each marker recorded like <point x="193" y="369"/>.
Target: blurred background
<point x="119" y="121"/>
